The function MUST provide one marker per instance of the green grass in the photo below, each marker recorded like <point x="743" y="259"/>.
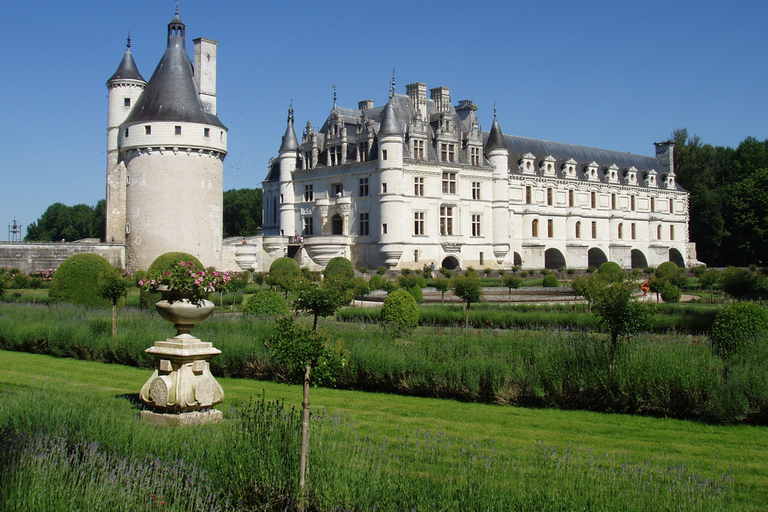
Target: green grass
<point x="713" y="450"/>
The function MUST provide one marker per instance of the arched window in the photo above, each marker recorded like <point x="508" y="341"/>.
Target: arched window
<point x="535" y="228"/>
<point x="621" y="230"/>
<point x="578" y="229"/>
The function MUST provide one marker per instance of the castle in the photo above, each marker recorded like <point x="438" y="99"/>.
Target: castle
<point x="414" y="182"/>
<point x="418" y="182"/>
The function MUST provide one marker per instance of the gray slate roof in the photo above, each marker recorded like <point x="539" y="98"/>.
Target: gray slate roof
<point x="127" y="69"/>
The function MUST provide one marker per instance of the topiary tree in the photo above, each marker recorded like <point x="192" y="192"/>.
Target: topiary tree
<point x="736" y="325"/>
<point x="421" y="282"/>
<point x="76" y="281"/>
<point x="511" y="282"/>
<point x="320" y="300"/>
<point x="670" y="293"/>
<point x="375" y="282"/>
<point x="611" y="271"/>
<point x="339" y="268"/>
<point x="406" y="281"/>
<point x="360" y="289"/>
<point x="416" y="293"/>
<point x="286" y="264"/>
<point x="266" y="303"/>
<point x="550" y="281"/>
<point x="163" y="262"/>
<point x="113" y="288"/>
<point x="400" y="311"/>
<point x="668" y="271"/>
<point x="709" y="279"/>
<point x="467" y="288"/>
<point x="442" y="285"/>
<point x="285" y="274"/>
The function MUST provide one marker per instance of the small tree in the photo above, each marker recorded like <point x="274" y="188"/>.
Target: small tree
<point x="360" y="288"/>
<point x="321" y="301"/>
<point x="467" y="288"/>
<point x="266" y="303"/>
<point x="550" y="281"/>
<point x="113" y="288"/>
<point x="657" y="285"/>
<point x="442" y="285"/>
<point x="258" y="278"/>
<point x="620" y="313"/>
<point x="670" y="294"/>
<point x="709" y="279"/>
<point x="400" y="311"/>
<point x="668" y="271"/>
<point x="511" y="282"/>
<point x="589" y="287"/>
<point x="35" y="283"/>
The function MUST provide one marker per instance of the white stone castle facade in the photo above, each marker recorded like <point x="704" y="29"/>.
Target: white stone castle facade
<point x="417" y="182"/>
<point x="404" y="185"/>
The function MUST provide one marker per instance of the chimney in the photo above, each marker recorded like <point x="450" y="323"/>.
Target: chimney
<point x="205" y="72"/>
<point x="418" y="94"/>
<point x="442" y="98"/>
<point x="365" y="105"/>
<point x="665" y="153"/>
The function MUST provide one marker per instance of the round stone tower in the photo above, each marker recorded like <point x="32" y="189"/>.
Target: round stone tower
<point x="173" y="147"/>
<point x="390" y="138"/>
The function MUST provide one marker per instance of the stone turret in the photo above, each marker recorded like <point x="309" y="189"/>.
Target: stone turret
<point x="287" y="158"/>
<point x="497" y="153"/>
<point x="391" y="178"/>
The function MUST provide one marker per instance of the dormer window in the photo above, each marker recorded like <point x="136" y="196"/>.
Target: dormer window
<point x="334" y="155"/>
<point x="448" y="152"/>
<point x="418" y="149"/>
<point x="569" y="168"/>
<point x="548" y="166"/>
<point x="526" y="164"/>
<point x="308" y="159"/>
<point x="474" y="156"/>
<point x="363" y="150"/>
<point x="612" y="174"/>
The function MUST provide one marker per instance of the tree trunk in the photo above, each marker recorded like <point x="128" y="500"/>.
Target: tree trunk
<point x="304" y="439"/>
<point x="114" y="326"/>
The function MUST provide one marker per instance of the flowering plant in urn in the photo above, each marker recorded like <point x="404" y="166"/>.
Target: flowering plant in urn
<point x="184" y="278"/>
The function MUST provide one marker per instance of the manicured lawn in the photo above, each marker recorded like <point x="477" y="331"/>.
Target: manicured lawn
<point x="710" y="449"/>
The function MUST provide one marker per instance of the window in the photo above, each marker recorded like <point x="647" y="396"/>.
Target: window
<point x="363" y="187"/>
<point x="446" y="220"/>
<point x="418" y="223"/>
<point x="535" y="227"/>
<point x="416" y="256"/>
<point x="658" y="232"/>
<point x="148" y="130"/>
<point x="613" y="201"/>
<point x="550" y="228"/>
<point x="578" y="229"/>
<point x="125" y="133"/>
<point x="447" y="152"/>
<point x="528" y="195"/>
<point x="309" y="193"/>
<point x="632" y="203"/>
<point x="364" y="225"/>
<point x="570" y="197"/>
<point x="418" y="186"/>
<point x="482" y="259"/>
<point x="474" y="156"/>
<point x="653" y="205"/>
<point x="383" y="188"/>
<point x="549" y="196"/>
<point x="127" y="102"/>
<point x="671" y="232"/>
<point x="309" y="226"/>
<point x="383" y="229"/>
<point x="671" y="206"/>
<point x="383" y="154"/>
<point x="475" y="190"/>
<point x="338" y="190"/>
<point x="633" y="229"/>
<point x="177" y="130"/>
<point x="621" y="230"/>
<point x="449" y="183"/>
<point x="363" y="149"/>
<point x="594" y="229"/>
<point x="334" y="155"/>
<point x="476" y="219"/>
<point x="206" y="132"/>
<point x="593" y="199"/>
<point x="308" y="159"/>
<point x="418" y="149"/>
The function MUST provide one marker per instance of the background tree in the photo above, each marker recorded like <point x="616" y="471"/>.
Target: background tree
<point x="69" y="223"/>
<point x="737" y="282"/>
<point x="467" y="288"/>
<point x="113" y="288"/>
<point x="242" y="212"/>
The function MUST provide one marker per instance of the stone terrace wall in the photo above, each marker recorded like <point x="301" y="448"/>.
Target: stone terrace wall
<point x="34" y="256"/>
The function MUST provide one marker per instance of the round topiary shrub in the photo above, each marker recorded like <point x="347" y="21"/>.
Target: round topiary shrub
<point x="611" y="271"/>
<point x="266" y="303"/>
<point x="147" y="299"/>
<point x="285" y="264"/>
<point x="421" y="282"/>
<point x="76" y="281"/>
<point x="550" y="281"/>
<point x="400" y="311"/>
<point x="416" y="293"/>
<point x="375" y="282"/>
<point x="737" y="324"/>
<point x="670" y="293"/>
<point x="340" y="268"/>
<point x="668" y="271"/>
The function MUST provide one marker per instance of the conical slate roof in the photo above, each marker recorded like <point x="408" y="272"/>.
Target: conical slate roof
<point x="171" y="94"/>
<point x="495" y="138"/>
<point x="290" y="142"/>
<point x="127" y="69"/>
<point x="389" y="124"/>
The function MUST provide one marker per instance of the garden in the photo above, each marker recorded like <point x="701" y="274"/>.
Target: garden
<point x="483" y="406"/>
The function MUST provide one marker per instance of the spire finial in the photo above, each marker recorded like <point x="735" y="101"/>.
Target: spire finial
<point x="129" y="39"/>
<point x="177" y="7"/>
<point x="290" y="113"/>
<point x="334" y="95"/>
<point x="494" y="110"/>
<point x="392" y="85"/>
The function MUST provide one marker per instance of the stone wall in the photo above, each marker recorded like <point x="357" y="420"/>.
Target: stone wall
<point x="34" y="256"/>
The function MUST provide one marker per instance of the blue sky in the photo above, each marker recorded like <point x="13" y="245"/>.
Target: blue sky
<point x="614" y="75"/>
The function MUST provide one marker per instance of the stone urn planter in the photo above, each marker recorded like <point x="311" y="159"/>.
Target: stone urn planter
<point x="182" y="390"/>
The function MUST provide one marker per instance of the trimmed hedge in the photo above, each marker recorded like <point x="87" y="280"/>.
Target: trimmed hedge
<point x="76" y="281"/>
<point x="266" y="303"/>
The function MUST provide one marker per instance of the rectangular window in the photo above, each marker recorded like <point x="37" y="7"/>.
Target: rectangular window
<point x="570" y="198"/>
<point x="528" y="195"/>
<point x="671" y="206"/>
<point x="334" y="155"/>
<point x="671" y="232"/>
<point x="177" y="130"/>
<point x="448" y="152"/>
<point x="418" y="149"/>
<point x="482" y="259"/>
<point x="383" y="188"/>
<point x="474" y="156"/>
<point x="613" y="201"/>
<point x="476" y="221"/>
<point x="658" y="232"/>
<point x="338" y="190"/>
<point x="550" y="228"/>
<point x="418" y="223"/>
<point x="148" y="130"/>
<point x="535" y="227"/>
<point x="632" y="203"/>
<point x="363" y="151"/>
<point x="127" y="102"/>
<point x="449" y="183"/>
<point x="446" y="220"/>
<point x="383" y="154"/>
<point x="363" y="187"/>
<point x="309" y="226"/>
<point x="653" y="205"/>
<point x="383" y="229"/>
<point x="308" y="159"/>
<point x="364" y="225"/>
<point x="416" y="256"/>
<point x="633" y="230"/>
<point x="418" y="186"/>
<point x="206" y="132"/>
<point x="593" y="199"/>
<point x="594" y="229"/>
<point x="309" y="193"/>
<point x="549" y="196"/>
<point x="125" y="133"/>
<point x="476" y="190"/>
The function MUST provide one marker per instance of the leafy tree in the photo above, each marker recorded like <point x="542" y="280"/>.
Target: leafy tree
<point x="709" y="279"/>
<point x="737" y="282"/>
<point x="670" y="294"/>
<point x="657" y="285"/>
<point x="442" y="285"/>
<point x="511" y="282"/>
<point x="62" y="222"/>
<point x="360" y="288"/>
<point x="242" y="212"/>
<point x="467" y="288"/>
<point x="620" y="313"/>
<point x="340" y="268"/>
<point x="589" y="287"/>
<point x="285" y="274"/>
<point x="258" y="278"/>
<point x="321" y="300"/>
<point x="113" y="288"/>
<point x="668" y="271"/>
